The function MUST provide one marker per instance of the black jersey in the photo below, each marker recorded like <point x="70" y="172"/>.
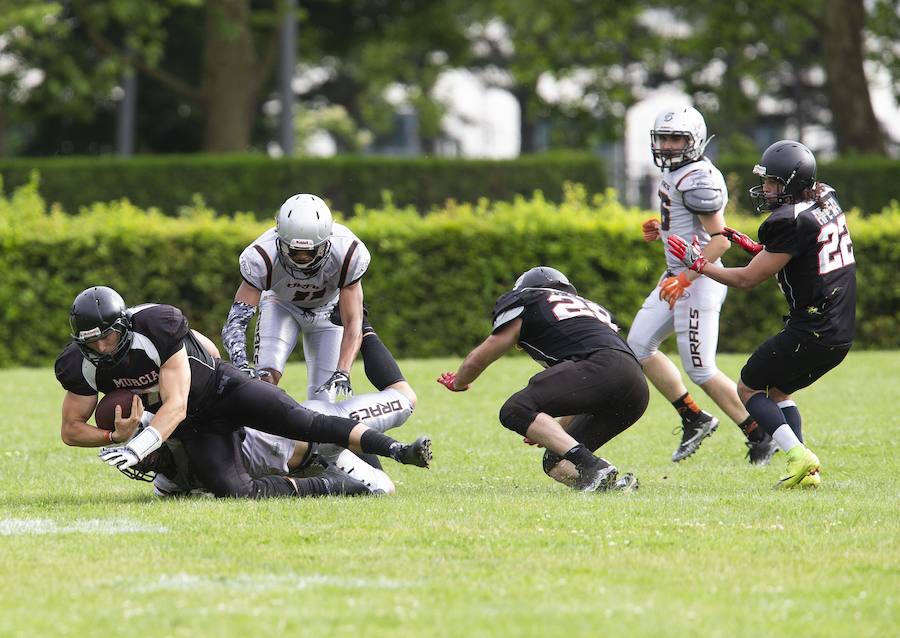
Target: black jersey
<point x="159" y="331"/>
<point x="819" y="282"/>
<point x="558" y="326"/>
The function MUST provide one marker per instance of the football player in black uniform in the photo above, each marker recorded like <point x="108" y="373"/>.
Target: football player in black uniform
<point x="805" y="241"/>
<point x="202" y="400"/>
<point x="593" y="380"/>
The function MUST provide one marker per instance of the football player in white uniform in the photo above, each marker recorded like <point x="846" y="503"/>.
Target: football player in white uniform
<point x="304" y="275"/>
<point x="692" y="195"/>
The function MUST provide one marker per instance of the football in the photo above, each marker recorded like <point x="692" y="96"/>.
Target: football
<point x="105" y="413"/>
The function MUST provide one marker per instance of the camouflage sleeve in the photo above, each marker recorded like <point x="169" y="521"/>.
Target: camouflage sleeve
<point x="234" y="332"/>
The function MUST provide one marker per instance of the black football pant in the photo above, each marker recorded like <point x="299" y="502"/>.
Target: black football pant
<point x="211" y="438"/>
<point x="215" y="459"/>
<point x="607" y="391"/>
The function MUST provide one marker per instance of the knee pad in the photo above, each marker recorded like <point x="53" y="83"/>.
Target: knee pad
<point x="702" y="374"/>
<point x="641" y="349"/>
<point x="516" y="414"/>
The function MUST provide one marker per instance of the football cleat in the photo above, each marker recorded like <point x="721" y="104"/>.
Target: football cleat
<point x="761" y="452"/>
<point x="811" y="481"/>
<point x="417" y="453"/>
<point x="693" y="431"/>
<point x="338" y="483"/>
<point x="355" y="467"/>
<point x="599" y="476"/>
<point x="626" y="483"/>
<point x="801" y="462"/>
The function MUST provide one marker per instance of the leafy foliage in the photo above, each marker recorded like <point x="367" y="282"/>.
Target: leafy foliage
<point x="433" y="279"/>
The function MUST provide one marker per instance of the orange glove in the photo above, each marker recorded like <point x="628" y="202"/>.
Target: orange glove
<point x="672" y="288"/>
<point x="651" y="229"/>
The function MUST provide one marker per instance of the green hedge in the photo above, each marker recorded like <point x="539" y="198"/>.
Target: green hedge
<point x="866" y="183"/>
<point x="230" y="183"/>
<point x="433" y="278"/>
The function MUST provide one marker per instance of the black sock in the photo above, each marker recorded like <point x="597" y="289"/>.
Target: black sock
<point x="381" y="367"/>
<point x="766" y="412"/>
<point x="792" y="416"/>
<point x="374" y="442"/>
<point x="311" y="486"/>
<point x="580" y="456"/>
<point x="371" y="459"/>
<point x="751" y="430"/>
<point x="685" y="406"/>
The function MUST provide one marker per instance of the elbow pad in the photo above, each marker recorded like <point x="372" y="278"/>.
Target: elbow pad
<point x="234" y="332"/>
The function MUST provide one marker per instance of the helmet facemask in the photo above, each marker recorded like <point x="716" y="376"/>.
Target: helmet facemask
<point x="769" y="201"/>
<point x="286" y="252"/>
<point x="82" y="338"/>
<point x="673" y="158"/>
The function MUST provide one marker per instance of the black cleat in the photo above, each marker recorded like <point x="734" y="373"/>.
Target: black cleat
<point x="417" y="453"/>
<point x="693" y="431"/>
<point x="599" y="476"/>
<point x="339" y="483"/>
<point x="761" y="452"/>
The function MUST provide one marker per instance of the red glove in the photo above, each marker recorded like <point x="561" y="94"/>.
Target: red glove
<point x="739" y="238"/>
<point x="448" y="380"/>
<point x="650" y="229"/>
<point x="672" y="288"/>
<point x="688" y="254"/>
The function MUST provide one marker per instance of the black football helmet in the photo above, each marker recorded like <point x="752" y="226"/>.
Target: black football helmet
<point x="544" y="277"/>
<point x="96" y="312"/>
<point x="790" y="163"/>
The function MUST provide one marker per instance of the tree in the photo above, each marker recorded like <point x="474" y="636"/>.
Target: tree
<point x="806" y="56"/>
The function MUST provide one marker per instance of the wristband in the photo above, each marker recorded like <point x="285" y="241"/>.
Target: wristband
<point x="109" y="434"/>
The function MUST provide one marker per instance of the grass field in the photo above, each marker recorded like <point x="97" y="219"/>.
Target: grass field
<point x="483" y="544"/>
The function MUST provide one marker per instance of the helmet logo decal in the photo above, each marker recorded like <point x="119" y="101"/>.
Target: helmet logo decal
<point x="759" y="170"/>
<point x="668" y="117"/>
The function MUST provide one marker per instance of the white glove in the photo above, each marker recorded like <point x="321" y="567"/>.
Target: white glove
<point x="338" y="387"/>
<point x="133" y="452"/>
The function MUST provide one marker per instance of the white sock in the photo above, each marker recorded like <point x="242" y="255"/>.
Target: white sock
<point x="785" y="438"/>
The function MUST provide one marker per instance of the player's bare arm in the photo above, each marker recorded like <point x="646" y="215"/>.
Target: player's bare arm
<point x="718" y="243"/>
<point x="491" y="349"/>
<point x="760" y="268"/>
<point x="351" y="307"/>
<point x="207" y="344"/>
<point x="75" y="430"/>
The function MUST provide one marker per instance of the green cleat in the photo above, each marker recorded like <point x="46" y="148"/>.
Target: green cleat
<point x="801" y="463"/>
<point x="811" y="481"/>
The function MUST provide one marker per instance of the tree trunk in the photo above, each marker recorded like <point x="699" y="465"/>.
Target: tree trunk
<point x="230" y="76"/>
<point x="853" y="120"/>
<point x="526" y="126"/>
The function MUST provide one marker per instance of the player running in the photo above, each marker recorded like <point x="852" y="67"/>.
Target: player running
<point x="593" y="380"/>
<point x="692" y="196"/>
<point x="806" y="243"/>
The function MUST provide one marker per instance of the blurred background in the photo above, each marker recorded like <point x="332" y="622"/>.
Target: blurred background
<point x="495" y="79"/>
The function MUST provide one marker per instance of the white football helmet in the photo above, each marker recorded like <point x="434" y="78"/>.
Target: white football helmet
<point x="684" y="121"/>
<point x="304" y="223"/>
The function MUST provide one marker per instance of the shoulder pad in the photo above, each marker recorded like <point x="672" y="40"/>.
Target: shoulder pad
<point x="516" y="298"/>
<point x="703" y="200"/>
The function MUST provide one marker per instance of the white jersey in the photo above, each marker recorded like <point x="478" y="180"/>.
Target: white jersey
<point x="346" y="263"/>
<point x="686" y="193"/>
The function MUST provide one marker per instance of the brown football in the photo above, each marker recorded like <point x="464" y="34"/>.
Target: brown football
<point x="105" y="413"/>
